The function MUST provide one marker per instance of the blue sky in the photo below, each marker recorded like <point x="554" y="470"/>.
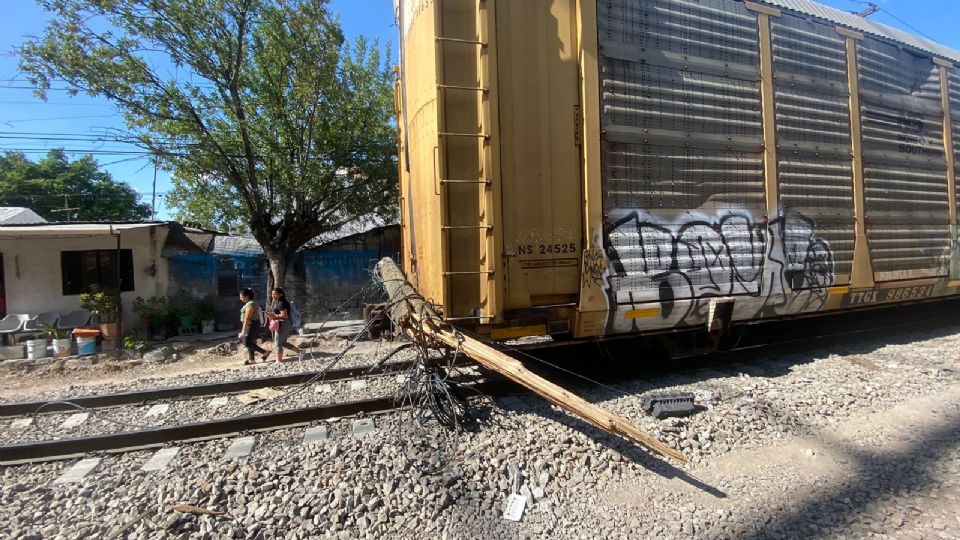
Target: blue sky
<point x="21" y="113"/>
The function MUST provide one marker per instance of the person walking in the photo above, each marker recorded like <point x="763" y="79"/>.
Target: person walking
<point x="280" y="312"/>
<point x="250" y="320"/>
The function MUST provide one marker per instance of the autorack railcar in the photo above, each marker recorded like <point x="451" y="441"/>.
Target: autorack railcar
<point x="593" y="168"/>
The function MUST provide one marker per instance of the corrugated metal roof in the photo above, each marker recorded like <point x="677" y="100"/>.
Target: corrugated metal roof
<point x="15" y="215"/>
<point x="67" y="230"/>
<point x="860" y="24"/>
<point x="231" y="245"/>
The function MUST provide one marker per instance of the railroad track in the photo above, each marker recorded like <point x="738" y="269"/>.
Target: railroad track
<point x="37" y="451"/>
<point x="180" y="392"/>
<point x="152" y="438"/>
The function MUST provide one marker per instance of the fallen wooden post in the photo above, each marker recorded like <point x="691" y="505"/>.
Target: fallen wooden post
<point x="409" y="310"/>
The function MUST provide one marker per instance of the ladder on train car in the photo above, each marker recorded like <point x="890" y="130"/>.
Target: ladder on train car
<point x="483" y="136"/>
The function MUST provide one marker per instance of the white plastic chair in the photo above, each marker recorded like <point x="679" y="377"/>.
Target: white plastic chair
<point x="37" y="324"/>
<point x="74" y="319"/>
<point x="12" y="323"/>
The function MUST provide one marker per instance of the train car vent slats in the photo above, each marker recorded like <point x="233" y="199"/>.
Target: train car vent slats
<point x="954" y="85"/>
<point x="683" y="140"/>
<point x="813" y="130"/>
<point x="905" y="179"/>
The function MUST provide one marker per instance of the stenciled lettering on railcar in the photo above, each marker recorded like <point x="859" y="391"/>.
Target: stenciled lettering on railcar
<point x="898" y="294"/>
<point x="548" y="263"/>
<point x="411" y="11"/>
<point x="546" y="249"/>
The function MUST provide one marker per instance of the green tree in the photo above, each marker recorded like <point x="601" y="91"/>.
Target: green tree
<point x="267" y="118"/>
<point x="41" y="187"/>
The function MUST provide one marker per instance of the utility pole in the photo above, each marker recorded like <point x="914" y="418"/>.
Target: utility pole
<point x="153" y="198"/>
<point x="871" y="9"/>
<point x="66" y="208"/>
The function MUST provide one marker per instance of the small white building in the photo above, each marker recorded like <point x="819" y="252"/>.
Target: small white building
<point x="46" y="266"/>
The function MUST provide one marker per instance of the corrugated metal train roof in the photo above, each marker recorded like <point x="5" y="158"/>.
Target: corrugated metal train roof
<point x="866" y="26"/>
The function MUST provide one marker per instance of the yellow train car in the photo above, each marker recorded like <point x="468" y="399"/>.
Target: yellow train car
<point x="594" y="168"/>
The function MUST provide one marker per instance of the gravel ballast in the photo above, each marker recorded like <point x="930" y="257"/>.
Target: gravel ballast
<point x="857" y="441"/>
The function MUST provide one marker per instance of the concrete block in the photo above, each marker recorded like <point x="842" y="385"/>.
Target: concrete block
<point x="75" y="420"/>
<point x="21" y="424"/>
<point x="363" y="427"/>
<point x="78" y="471"/>
<point x="161" y="459"/>
<point x="315" y="434"/>
<point x="240" y="448"/>
<point x="159" y="409"/>
<point x="218" y="402"/>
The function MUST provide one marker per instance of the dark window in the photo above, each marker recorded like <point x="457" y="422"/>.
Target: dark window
<point x="81" y="269"/>
<point x="228" y="283"/>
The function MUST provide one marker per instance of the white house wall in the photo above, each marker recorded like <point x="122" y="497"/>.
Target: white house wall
<point x="33" y="274"/>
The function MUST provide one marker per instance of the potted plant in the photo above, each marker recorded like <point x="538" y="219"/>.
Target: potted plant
<point x="149" y="309"/>
<point x="106" y="306"/>
<point x="182" y="306"/>
<point x="207" y="313"/>
<point x="60" y="338"/>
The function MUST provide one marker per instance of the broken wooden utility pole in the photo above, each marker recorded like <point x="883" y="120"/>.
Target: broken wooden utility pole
<point x="409" y="310"/>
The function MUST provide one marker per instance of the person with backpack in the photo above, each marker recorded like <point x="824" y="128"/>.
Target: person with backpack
<point x="282" y="323"/>
<point x="250" y="317"/>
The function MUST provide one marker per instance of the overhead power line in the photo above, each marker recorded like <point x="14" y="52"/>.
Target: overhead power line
<point x="874" y="8"/>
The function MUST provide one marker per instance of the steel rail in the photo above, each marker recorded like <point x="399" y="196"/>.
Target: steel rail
<point x="211" y="389"/>
<point x="37" y="451"/>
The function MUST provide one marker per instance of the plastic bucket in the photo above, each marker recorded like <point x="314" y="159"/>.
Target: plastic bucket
<point x="86" y="345"/>
<point x="36" y="348"/>
<point x="61" y="347"/>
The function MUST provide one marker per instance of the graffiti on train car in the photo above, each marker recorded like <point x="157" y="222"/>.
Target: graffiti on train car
<point x="781" y="263"/>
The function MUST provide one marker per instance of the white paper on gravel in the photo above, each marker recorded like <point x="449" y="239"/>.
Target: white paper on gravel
<point x="75" y="420"/>
<point x="358" y="384"/>
<point x="515" y="505"/>
<point x="323" y="389"/>
<point x="78" y="471"/>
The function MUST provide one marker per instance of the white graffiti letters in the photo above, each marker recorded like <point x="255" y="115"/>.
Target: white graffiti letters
<point x="780" y="264"/>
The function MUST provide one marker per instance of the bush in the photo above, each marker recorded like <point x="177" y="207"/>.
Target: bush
<point x="104" y="304"/>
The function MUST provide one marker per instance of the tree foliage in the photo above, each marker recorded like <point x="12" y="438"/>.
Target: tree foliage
<point x="41" y="186"/>
<point x="267" y="118"/>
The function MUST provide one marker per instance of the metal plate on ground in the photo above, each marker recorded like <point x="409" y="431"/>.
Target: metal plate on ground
<point x="21" y="424"/>
<point x="358" y="384"/>
<point x="514" y="509"/>
<point x="363" y="427"/>
<point x="218" y="402"/>
<point x="323" y="389"/>
<point x="75" y="420"/>
<point x="315" y="434"/>
<point x="78" y="471"/>
<point x="240" y="448"/>
<point x="157" y="410"/>
<point x="160" y="459"/>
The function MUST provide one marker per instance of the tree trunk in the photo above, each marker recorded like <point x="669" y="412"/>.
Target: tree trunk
<point x="278" y="270"/>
